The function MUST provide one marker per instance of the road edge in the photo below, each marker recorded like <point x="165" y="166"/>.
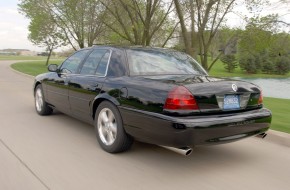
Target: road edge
<point x="278" y="137"/>
<point x="23" y="74"/>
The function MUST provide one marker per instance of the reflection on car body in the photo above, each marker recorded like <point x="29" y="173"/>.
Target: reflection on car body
<point x="154" y="95"/>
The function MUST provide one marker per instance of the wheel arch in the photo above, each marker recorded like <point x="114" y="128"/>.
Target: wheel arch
<point x="99" y="99"/>
<point x="35" y="85"/>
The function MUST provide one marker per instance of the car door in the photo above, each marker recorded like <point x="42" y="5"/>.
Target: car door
<point x="85" y="86"/>
<point x="57" y="83"/>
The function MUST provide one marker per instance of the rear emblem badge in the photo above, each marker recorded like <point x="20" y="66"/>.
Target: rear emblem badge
<point x="234" y="87"/>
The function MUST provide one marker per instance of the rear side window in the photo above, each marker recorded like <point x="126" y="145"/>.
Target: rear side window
<point x="117" y="66"/>
<point x="102" y="67"/>
<point x="96" y="63"/>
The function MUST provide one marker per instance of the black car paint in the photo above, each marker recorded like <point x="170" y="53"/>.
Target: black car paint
<point x="140" y="100"/>
<point x="194" y="130"/>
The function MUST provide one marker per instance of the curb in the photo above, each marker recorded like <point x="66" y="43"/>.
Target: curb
<point x="278" y="137"/>
<point x="23" y="74"/>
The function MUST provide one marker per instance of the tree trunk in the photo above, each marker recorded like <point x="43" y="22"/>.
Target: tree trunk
<point x="48" y="57"/>
<point x="194" y="40"/>
<point x="214" y="61"/>
<point x="204" y="61"/>
<point x="186" y="41"/>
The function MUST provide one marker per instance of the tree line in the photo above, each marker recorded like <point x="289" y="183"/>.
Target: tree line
<point x="197" y="27"/>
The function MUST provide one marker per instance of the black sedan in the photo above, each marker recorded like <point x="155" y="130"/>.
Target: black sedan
<point x="154" y="95"/>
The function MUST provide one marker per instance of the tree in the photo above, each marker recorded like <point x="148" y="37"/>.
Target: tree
<point x="248" y="63"/>
<point x="254" y="40"/>
<point x="78" y="20"/>
<point x="230" y="62"/>
<point x="258" y="35"/>
<point x="268" y="67"/>
<point x="205" y="18"/>
<point x="262" y="40"/>
<point x="140" y="22"/>
<point x="225" y="41"/>
<point x="200" y="22"/>
<point x="280" y="45"/>
<point x="282" y="64"/>
<point x="44" y="33"/>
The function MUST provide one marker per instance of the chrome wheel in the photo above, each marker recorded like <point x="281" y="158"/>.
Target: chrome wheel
<point x="38" y="100"/>
<point x="107" y="126"/>
<point x="41" y="107"/>
<point x="109" y="129"/>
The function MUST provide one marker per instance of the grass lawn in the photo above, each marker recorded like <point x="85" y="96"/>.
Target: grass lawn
<point x="21" y="57"/>
<point x="280" y="109"/>
<point x="218" y="70"/>
<point x="33" y="67"/>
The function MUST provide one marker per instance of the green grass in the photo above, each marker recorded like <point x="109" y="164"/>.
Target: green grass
<point x="218" y="70"/>
<point x="21" y="57"/>
<point x="33" y="67"/>
<point x="280" y="109"/>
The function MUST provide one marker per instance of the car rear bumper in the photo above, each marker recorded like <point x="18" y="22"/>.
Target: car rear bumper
<point x="195" y="130"/>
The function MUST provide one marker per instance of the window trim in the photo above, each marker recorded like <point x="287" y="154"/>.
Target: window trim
<point x="109" y="60"/>
<point x="77" y="70"/>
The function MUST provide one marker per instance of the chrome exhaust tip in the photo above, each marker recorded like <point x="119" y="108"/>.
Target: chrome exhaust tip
<point x="262" y="135"/>
<point x="185" y="151"/>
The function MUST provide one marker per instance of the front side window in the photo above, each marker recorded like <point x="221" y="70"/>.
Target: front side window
<point x="95" y="61"/>
<point x="162" y="62"/>
<point x="71" y="64"/>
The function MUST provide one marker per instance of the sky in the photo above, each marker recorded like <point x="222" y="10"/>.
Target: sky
<point x="14" y="26"/>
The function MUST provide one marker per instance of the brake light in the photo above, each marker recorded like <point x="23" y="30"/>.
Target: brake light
<point x="179" y="98"/>
<point x="260" y="101"/>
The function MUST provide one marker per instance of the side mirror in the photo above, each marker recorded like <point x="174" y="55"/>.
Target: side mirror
<point x="52" y="67"/>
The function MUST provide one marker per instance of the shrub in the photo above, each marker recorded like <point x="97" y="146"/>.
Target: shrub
<point x="282" y="65"/>
<point x="268" y="67"/>
<point x="249" y="64"/>
<point x="230" y="62"/>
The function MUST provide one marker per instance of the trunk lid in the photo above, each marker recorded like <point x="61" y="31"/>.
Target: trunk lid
<point x="217" y="94"/>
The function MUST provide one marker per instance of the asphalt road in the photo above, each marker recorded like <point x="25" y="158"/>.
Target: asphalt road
<point x="59" y="152"/>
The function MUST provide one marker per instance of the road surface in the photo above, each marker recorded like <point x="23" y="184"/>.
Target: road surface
<point x="60" y="153"/>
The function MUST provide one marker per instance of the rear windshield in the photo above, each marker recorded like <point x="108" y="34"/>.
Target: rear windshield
<point x="162" y="62"/>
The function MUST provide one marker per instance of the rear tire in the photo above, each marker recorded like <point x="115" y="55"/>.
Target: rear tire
<point x="109" y="129"/>
<point x="41" y="106"/>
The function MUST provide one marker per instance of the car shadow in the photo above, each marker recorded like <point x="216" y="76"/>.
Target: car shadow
<point x="203" y="158"/>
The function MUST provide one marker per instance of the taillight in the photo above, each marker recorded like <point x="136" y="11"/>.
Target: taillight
<point x="179" y="98"/>
<point x="260" y="101"/>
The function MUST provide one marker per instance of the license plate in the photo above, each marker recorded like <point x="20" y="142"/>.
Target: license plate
<point x="231" y="102"/>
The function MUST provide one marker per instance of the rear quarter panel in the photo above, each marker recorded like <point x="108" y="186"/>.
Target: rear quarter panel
<point x="143" y="94"/>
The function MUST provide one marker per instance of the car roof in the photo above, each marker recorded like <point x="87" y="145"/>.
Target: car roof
<point x="135" y="47"/>
<point x="131" y="47"/>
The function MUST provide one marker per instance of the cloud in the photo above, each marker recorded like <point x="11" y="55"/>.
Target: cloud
<point x="9" y="11"/>
<point x="3" y="32"/>
<point x="13" y="30"/>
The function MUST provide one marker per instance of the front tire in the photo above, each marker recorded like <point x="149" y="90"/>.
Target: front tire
<point x="109" y="129"/>
<point x="41" y="106"/>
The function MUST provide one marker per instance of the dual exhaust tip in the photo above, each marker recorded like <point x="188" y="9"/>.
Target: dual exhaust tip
<point x="185" y="151"/>
<point x="262" y="135"/>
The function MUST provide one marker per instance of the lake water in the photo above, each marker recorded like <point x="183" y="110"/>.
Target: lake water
<point x="276" y="88"/>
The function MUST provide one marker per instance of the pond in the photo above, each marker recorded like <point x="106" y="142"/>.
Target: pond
<point x="276" y="88"/>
